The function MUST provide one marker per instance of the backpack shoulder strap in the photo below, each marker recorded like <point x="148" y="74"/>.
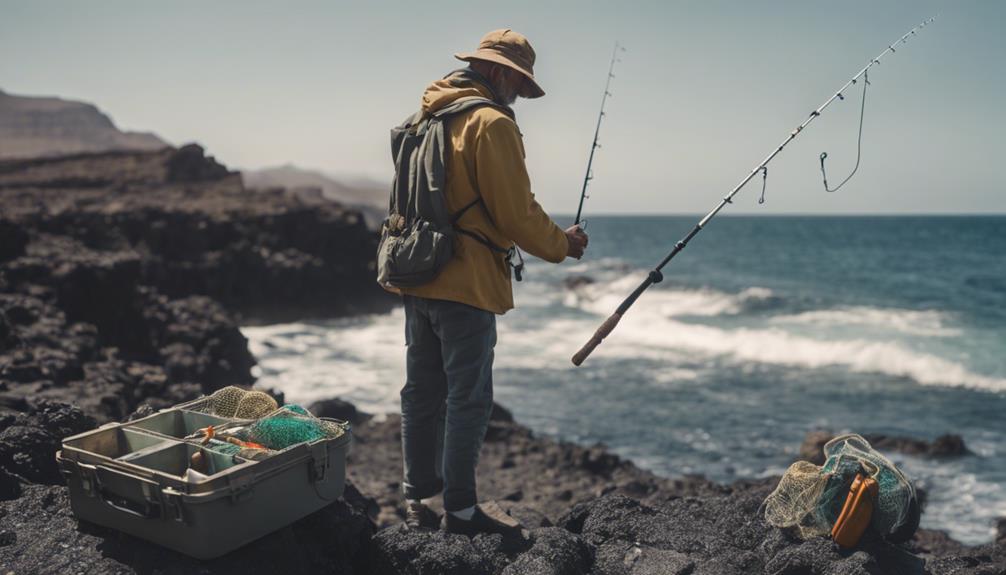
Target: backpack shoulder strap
<point x="467" y="103"/>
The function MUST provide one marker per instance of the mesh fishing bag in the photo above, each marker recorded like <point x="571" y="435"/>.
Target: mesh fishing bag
<point x="234" y="402"/>
<point x="809" y="498"/>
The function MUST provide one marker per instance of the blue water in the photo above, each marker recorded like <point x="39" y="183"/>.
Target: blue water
<point x="764" y="328"/>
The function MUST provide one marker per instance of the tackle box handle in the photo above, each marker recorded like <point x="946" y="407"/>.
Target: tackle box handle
<point x="153" y="507"/>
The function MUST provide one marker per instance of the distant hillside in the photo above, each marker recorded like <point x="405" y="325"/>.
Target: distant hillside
<point x="369" y="197"/>
<point x="32" y="127"/>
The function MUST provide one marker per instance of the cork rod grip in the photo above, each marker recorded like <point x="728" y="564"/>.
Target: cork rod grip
<point x="595" y="340"/>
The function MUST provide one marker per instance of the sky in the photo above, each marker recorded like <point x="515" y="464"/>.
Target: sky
<point x="705" y="91"/>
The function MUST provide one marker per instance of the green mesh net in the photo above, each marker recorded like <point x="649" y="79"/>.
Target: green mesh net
<point x="290" y="425"/>
<point x="809" y="498"/>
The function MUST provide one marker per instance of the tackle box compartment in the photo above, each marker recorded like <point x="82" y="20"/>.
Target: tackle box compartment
<point x="129" y="476"/>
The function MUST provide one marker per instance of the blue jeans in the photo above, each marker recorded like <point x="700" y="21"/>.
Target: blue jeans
<point x="447" y="397"/>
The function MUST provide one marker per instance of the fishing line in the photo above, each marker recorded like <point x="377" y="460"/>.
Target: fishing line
<point x="859" y="143"/>
<point x="656" y="276"/>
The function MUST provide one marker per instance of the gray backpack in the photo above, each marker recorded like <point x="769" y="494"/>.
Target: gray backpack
<point x="417" y="237"/>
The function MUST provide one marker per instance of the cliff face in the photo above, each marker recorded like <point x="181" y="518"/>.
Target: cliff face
<point x="180" y="222"/>
<point x="123" y="274"/>
<point x="39" y="126"/>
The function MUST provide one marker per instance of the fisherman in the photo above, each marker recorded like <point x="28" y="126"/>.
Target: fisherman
<point x="450" y="322"/>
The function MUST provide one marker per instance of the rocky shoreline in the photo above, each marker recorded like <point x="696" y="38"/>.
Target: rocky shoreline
<point x="123" y="279"/>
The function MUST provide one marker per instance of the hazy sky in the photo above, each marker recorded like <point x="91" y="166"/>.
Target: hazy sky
<point x="705" y="91"/>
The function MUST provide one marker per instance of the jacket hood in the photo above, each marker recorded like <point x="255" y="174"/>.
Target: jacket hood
<point x="458" y="84"/>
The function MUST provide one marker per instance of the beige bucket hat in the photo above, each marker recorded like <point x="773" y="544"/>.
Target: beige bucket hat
<point x="504" y="46"/>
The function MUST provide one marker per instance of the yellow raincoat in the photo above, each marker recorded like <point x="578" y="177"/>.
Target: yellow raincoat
<point x="487" y="154"/>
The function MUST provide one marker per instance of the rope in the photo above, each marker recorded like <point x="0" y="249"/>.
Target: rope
<point x="859" y="143"/>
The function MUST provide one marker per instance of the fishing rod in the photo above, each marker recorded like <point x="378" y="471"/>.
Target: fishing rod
<point x="597" y="130"/>
<point x="655" y="275"/>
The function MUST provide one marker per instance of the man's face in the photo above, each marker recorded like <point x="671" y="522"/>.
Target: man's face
<point x="508" y="83"/>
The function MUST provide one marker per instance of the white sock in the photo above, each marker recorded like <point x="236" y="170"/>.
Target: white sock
<point x="465" y="513"/>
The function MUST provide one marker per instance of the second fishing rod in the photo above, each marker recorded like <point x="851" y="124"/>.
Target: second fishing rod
<point x="655" y="275"/>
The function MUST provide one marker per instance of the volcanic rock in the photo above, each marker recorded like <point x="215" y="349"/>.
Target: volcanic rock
<point x="338" y="409"/>
<point x="45" y="537"/>
<point x="943" y="446"/>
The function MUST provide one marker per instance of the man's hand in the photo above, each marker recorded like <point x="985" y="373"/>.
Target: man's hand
<point x="577" y="242"/>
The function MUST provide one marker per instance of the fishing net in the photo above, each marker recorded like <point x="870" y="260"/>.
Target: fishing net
<point x="290" y="425"/>
<point x="232" y="401"/>
<point x="809" y="498"/>
<point x="794" y="501"/>
<point x="254" y="405"/>
<point x="896" y="493"/>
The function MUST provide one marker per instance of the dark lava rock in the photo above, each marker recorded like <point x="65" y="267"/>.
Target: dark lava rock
<point x="10" y="485"/>
<point x="555" y="552"/>
<point x="500" y="413"/>
<point x="943" y="446"/>
<point x="338" y="409"/>
<point x="181" y="222"/>
<point x="399" y="549"/>
<point x="948" y="446"/>
<point x="49" y="539"/>
<point x="812" y="448"/>
<point x="190" y="164"/>
<point x="29" y="442"/>
<point x="576" y="282"/>
<point x="13" y="240"/>
<point x="722" y="534"/>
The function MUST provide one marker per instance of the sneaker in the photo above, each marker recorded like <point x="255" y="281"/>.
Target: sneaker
<point x="419" y="516"/>
<point x="488" y="518"/>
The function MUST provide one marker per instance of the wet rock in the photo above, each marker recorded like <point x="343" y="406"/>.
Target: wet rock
<point x="943" y="446"/>
<point x="948" y="446"/>
<point x="577" y="282"/>
<point x="812" y="448"/>
<point x="500" y="413"/>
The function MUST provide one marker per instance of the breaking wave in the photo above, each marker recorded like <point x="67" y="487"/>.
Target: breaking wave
<point x="657" y="327"/>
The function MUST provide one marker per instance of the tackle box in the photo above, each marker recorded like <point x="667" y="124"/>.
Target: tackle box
<point x="131" y="477"/>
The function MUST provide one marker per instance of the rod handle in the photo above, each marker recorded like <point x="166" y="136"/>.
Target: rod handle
<point x="595" y="340"/>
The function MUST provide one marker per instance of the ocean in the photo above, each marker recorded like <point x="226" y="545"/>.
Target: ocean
<point x="765" y="328"/>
